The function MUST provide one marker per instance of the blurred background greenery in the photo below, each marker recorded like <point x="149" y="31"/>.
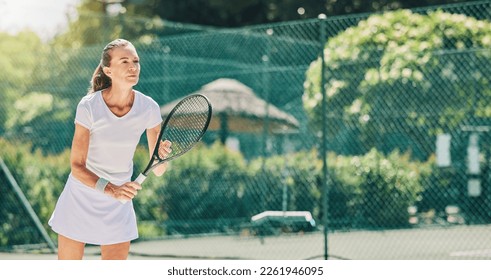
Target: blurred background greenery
<point x="395" y="81"/>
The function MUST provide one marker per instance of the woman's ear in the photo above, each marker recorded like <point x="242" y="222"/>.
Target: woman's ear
<point x="106" y="71"/>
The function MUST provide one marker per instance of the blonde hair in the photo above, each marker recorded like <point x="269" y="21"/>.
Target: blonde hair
<point x="99" y="79"/>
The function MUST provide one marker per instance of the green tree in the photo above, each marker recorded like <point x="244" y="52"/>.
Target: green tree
<point x="226" y="13"/>
<point x="398" y="78"/>
<point x="94" y="25"/>
<point x="19" y="58"/>
<point x="38" y="93"/>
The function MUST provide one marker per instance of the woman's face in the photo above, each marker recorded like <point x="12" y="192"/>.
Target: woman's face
<point x="124" y="68"/>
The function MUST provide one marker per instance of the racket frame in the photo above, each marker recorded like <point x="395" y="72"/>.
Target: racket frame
<point x="155" y="155"/>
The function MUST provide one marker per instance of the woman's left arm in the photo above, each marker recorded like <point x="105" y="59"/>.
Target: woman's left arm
<point x="164" y="148"/>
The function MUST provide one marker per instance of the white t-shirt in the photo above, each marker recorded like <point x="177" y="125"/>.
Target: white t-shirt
<point x="113" y="139"/>
<point x="81" y="212"/>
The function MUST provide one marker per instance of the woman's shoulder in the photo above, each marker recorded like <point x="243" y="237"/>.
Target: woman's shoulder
<point x="146" y="99"/>
<point x="90" y="97"/>
<point x="89" y="100"/>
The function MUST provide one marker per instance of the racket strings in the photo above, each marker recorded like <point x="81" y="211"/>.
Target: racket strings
<point x="186" y="125"/>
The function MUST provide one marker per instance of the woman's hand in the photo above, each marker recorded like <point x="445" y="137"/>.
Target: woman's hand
<point x="164" y="151"/>
<point x="164" y="148"/>
<point x="125" y="192"/>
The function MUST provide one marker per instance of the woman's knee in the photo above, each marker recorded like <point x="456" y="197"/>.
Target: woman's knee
<point x="69" y="249"/>
<point x="115" y="251"/>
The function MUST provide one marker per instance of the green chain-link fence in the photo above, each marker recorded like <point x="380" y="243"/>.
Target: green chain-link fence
<point x="406" y="120"/>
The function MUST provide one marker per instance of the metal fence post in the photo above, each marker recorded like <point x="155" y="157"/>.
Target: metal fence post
<point x="324" y="186"/>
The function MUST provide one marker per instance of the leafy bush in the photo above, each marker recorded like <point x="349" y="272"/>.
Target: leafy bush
<point x="40" y="177"/>
<point x="377" y="190"/>
<point x="286" y="182"/>
<point x="213" y="189"/>
<point x="205" y="184"/>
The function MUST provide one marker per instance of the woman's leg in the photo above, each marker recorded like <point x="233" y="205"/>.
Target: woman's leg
<point x="115" y="251"/>
<point x="69" y="249"/>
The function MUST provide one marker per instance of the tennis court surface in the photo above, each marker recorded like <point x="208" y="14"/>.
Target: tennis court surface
<point x="473" y="243"/>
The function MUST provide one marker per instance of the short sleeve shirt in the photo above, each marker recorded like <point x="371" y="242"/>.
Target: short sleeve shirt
<point x="113" y="139"/>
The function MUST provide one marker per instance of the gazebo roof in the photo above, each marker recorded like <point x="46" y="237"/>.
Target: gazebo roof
<point x="236" y="105"/>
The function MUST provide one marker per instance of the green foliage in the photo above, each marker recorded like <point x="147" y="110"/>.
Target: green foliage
<point x="439" y="192"/>
<point x="40" y="177"/>
<point x="293" y="175"/>
<point x="95" y="27"/>
<point x="249" y="12"/>
<point x="211" y="186"/>
<point x="376" y="190"/>
<point x="41" y="120"/>
<point x="384" y="75"/>
<point x="30" y="107"/>
<point x="16" y="61"/>
<point x="204" y="184"/>
<point x="18" y="64"/>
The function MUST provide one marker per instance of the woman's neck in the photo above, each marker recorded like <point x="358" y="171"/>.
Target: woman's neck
<point x="119" y="102"/>
<point x="118" y="96"/>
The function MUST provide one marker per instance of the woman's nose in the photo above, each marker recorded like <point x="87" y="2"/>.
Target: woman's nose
<point x="134" y="66"/>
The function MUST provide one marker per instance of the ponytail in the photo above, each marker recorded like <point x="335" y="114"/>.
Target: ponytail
<point x="99" y="79"/>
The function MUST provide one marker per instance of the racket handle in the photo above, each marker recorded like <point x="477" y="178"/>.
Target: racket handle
<point x="140" y="179"/>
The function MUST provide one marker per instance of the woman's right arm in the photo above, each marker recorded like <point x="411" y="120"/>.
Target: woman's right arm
<point x="78" y="159"/>
<point x="78" y="156"/>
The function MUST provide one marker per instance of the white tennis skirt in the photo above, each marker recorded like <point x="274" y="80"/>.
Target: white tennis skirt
<point x="86" y="215"/>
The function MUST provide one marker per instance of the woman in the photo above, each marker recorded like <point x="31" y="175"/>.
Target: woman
<point x="109" y="122"/>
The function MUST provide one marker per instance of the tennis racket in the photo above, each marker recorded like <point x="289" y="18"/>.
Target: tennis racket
<point x="183" y="127"/>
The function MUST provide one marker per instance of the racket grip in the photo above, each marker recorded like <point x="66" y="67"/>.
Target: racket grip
<point x="140" y="179"/>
